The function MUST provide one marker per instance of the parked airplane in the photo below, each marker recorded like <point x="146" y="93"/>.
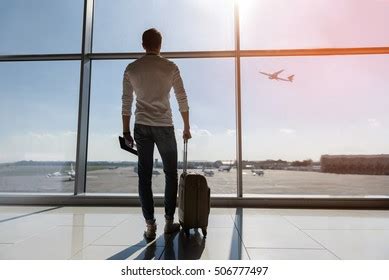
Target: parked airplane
<point x="55" y="174"/>
<point x="223" y="168"/>
<point x="72" y="173"/>
<point x="208" y="172"/>
<point x="68" y="176"/>
<point x="274" y="76"/>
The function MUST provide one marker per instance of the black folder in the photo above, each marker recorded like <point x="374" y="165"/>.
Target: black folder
<point x="125" y="147"/>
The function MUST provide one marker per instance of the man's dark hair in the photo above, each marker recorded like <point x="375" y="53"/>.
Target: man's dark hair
<point x="151" y="39"/>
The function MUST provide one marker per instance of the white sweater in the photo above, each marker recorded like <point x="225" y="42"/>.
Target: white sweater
<point x="152" y="77"/>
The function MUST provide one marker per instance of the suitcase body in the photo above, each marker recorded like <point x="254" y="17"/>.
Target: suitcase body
<point x="193" y="200"/>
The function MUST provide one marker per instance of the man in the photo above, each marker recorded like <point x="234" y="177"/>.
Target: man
<point x="152" y="77"/>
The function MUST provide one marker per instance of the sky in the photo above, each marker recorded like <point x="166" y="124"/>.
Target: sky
<point x="336" y="105"/>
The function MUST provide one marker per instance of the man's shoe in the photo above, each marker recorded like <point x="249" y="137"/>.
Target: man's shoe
<point x="171" y="227"/>
<point x="151" y="229"/>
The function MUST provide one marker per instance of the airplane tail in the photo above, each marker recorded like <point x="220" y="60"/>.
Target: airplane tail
<point x="290" y="78"/>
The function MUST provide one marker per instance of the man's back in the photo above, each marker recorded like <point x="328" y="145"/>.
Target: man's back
<point x="152" y="77"/>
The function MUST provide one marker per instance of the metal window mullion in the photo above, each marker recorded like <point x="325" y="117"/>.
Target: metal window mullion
<point x="84" y="99"/>
<point x="173" y="55"/>
<point x="40" y="57"/>
<point x="315" y="52"/>
<point x="238" y="107"/>
<point x="202" y="54"/>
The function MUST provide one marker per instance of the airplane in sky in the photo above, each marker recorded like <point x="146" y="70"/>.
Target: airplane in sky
<point x="274" y="76"/>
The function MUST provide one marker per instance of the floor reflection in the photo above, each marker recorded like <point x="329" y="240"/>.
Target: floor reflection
<point x="178" y="246"/>
<point x="184" y="247"/>
<point x="236" y="246"/>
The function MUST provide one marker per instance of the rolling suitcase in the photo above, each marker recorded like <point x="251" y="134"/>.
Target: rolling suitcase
<point x="193" y="199"/>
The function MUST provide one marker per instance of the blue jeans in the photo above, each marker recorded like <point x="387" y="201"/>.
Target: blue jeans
<point x="145" y="136"/>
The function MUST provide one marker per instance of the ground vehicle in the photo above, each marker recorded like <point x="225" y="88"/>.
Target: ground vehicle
<point x="258" y="172"/>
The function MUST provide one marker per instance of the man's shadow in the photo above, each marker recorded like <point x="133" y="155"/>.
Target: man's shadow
<point x="187" y="248"/>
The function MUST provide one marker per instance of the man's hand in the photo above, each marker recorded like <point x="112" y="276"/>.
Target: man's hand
<point x="129" y="141"/>
<point x="186" y="134"/>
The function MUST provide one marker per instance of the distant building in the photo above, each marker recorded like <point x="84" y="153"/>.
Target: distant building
<point x="355" y="164"/>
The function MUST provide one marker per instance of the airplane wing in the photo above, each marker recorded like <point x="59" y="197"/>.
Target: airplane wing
<point x="289" y="79"/>
<point x="267" y="74"/>
<point x="278" y="72"/>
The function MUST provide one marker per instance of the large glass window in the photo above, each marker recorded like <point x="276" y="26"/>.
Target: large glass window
<point x="40" y="26"/>
<point x="282" y="24"/>
<point x="38" y="126"/>
<point x="186" y="25"/>
<point x="318" y="127"/>
<point x="210" y="88"/>
<point x="335" y="106"/>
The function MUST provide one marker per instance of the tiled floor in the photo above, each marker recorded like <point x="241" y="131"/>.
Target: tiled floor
<point x="116" y="233"/>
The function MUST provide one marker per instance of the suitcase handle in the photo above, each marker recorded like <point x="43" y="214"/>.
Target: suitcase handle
<point x="185" y="155"/>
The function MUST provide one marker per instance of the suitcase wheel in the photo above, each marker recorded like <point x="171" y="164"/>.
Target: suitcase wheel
<point x="204" y="231"/>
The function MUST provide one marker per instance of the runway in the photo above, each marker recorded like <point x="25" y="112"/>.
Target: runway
<point x="274" y="182"/>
